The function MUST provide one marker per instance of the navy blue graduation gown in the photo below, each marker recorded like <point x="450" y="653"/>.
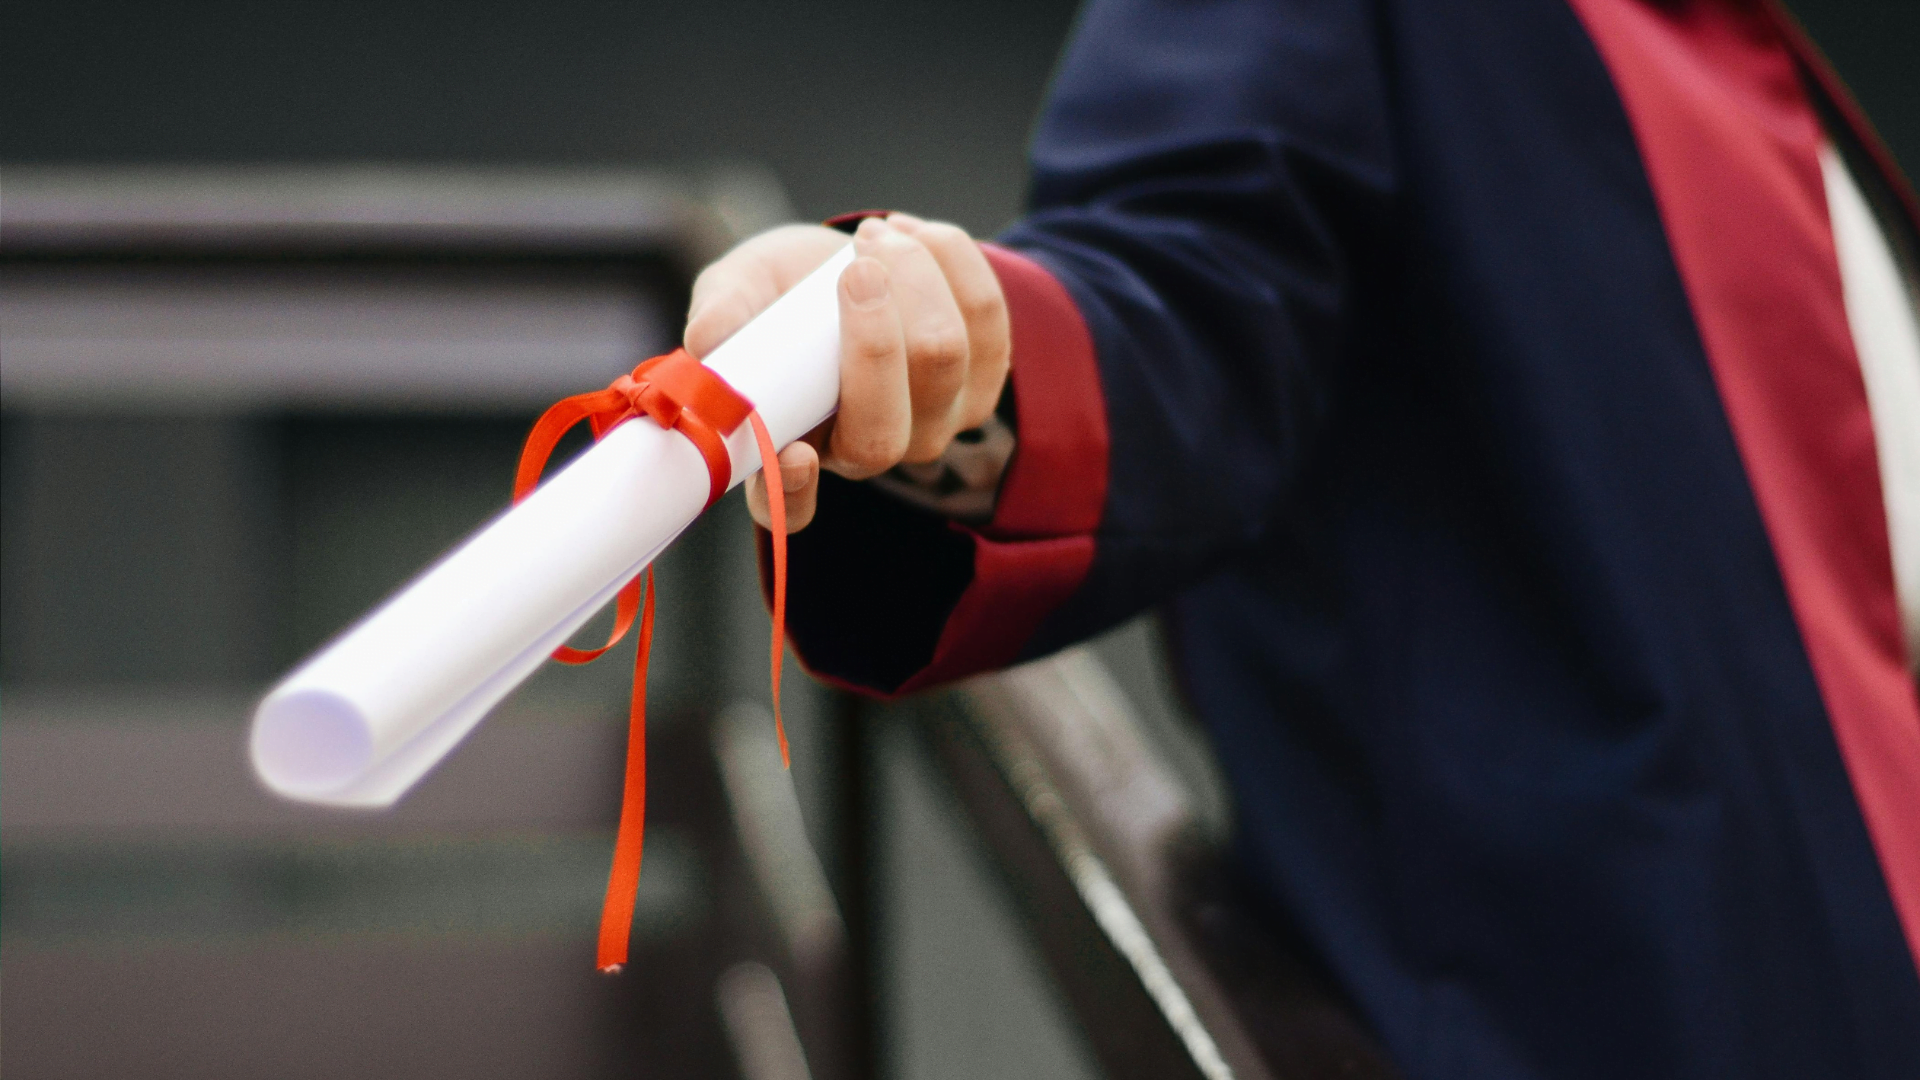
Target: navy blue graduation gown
<point x="1467" y="385"/>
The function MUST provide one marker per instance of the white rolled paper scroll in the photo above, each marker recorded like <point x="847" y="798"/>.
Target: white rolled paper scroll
<point x="365" y="718"/>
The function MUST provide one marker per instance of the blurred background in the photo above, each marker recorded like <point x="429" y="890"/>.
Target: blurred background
<point x="281" y="287"/>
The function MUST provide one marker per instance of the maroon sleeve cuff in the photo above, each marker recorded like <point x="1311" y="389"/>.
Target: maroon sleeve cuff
<point x="1056" y="484"/>
<point x="1039" y="546"/>
<point x="887" y="599"/>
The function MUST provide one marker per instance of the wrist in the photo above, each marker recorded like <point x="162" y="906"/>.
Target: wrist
<point x="963" y="483"/>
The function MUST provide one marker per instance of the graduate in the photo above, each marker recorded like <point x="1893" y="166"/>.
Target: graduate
<point x="1512" y="407"/>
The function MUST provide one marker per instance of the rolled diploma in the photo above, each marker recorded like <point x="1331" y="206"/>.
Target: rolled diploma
<point x="365" y="718"/>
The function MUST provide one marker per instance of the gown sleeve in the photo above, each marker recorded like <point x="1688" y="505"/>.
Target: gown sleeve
<point x="1181" y="292"/>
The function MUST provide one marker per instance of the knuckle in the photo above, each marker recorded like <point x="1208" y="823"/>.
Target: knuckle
<point x="876" y="347"/>
<point x="981" y="307"/>
<point x="997" y="360"/>
<point x="728" y="270"/>
<point x="707" y="303"/>
<point x="979" y="408"/>
<point x="890" y="244"/>
<point x="944" y="234"/>
<point x="941" y="348"/>
<point x="929" y="442"/>
<point x="717" y="317"/>
<point x="778" y="238"/>
<point x="873" y="452"/>
<point x="723" y="295"/>
<point x="705" y="286"/>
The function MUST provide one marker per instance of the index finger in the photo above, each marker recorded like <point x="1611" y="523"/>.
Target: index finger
<point x="748" y="279"/>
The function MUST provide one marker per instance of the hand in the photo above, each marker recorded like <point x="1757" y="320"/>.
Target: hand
<point x="924" y="343"/>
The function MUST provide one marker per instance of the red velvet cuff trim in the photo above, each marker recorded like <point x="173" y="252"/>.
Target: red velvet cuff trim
<point x="1015" y="587"/>
<point x="1056" y="484"/>
<point x="1039" y="546"/>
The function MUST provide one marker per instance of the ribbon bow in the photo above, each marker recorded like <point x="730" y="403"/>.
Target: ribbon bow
<point x="680" y="394"/>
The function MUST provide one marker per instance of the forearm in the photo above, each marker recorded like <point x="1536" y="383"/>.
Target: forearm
<point x="1183" y="278"/>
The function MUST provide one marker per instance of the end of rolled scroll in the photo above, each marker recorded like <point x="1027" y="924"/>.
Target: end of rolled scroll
<point x="309" y="743"/>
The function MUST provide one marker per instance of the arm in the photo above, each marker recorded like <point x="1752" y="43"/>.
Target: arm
<point x="1178" y="299"/>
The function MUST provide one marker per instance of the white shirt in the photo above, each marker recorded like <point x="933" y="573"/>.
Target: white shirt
<point x="1881" y="313"/>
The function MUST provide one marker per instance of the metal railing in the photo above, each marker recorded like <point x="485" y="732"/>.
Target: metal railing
<point x="1170" y="969"/>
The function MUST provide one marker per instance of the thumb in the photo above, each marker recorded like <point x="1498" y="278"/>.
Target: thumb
<point x="799" y="481"/>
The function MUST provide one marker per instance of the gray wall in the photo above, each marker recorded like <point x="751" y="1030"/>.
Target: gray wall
<point x="853" y="103"/>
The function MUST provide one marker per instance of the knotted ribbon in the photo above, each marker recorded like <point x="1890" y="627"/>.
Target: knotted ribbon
<point x="680" y="394"/>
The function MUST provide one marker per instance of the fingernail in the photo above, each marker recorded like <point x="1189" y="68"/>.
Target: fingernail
<point x="866" y="282"/>
<point x="872" y="228"/>
<point x="904" y="221"/>
<point x="793" y="477"/>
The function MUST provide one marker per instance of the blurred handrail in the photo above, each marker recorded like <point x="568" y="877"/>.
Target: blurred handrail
<point x="1165" y="966"/>
<point x="256" y="288"/>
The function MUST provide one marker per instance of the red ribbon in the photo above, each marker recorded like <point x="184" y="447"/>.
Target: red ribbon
<point x="681" y="394"/>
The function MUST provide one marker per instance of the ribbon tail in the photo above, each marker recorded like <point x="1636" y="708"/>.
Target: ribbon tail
<point x="680" y="393"/>
<point x="624" y="606"/>
<point x="623" y="883"/>
<point x="553" y="424"/>
<point x="777" y="513"/>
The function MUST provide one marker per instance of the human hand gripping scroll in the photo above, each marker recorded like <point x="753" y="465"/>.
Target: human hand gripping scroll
<point x="925" y="344"/>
